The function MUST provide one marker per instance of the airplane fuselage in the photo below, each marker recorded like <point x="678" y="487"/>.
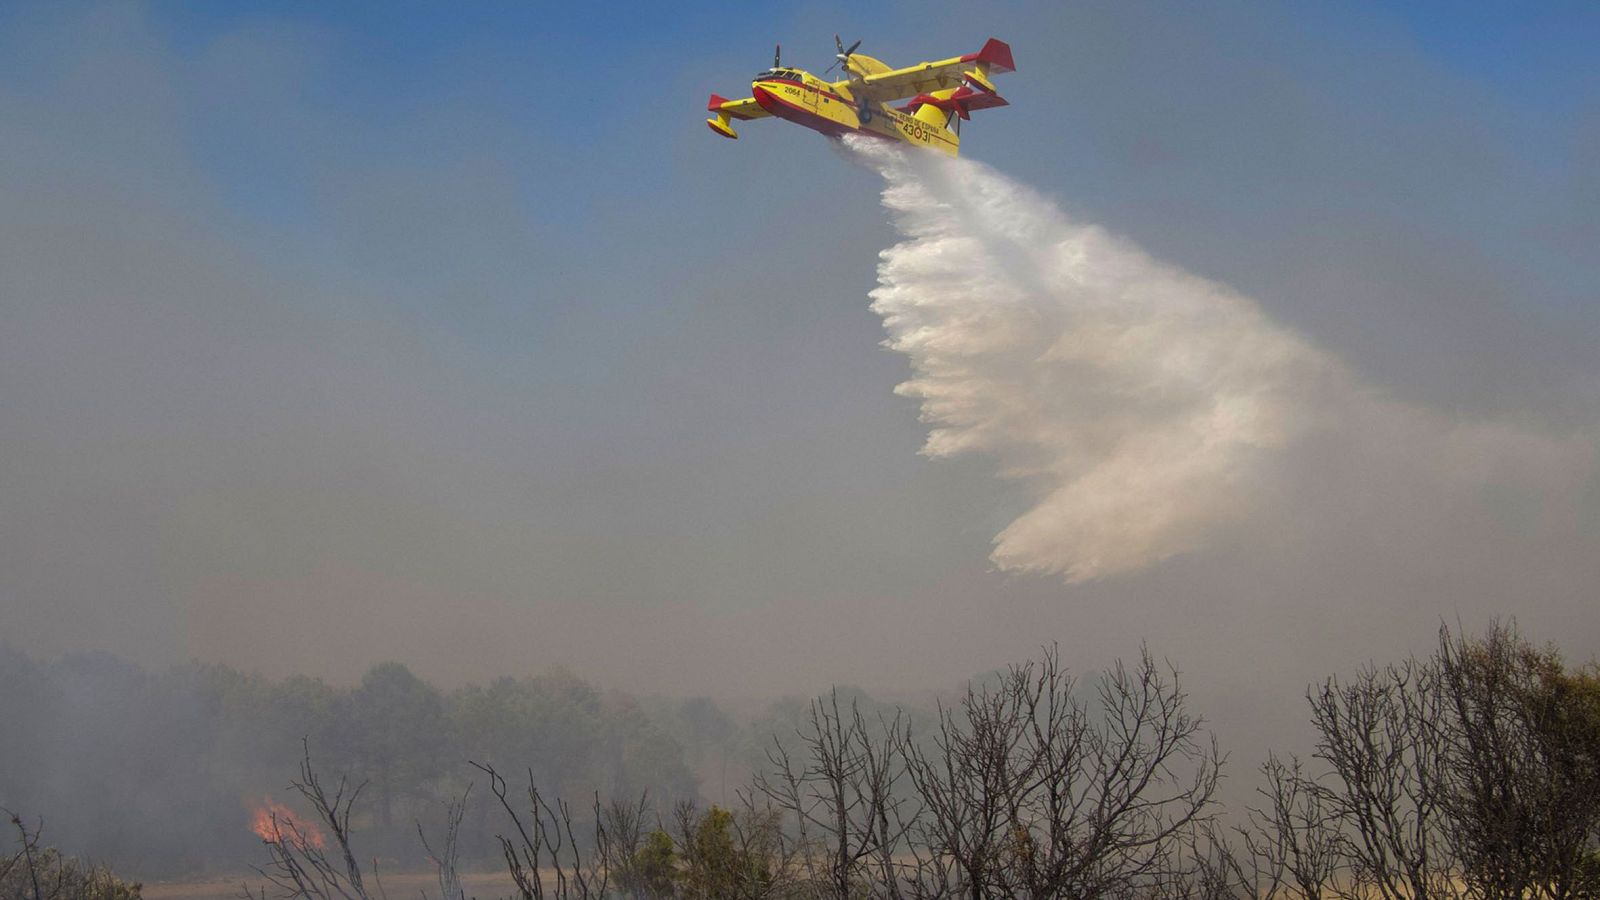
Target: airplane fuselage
<point x="936" y="97"/>
<point x="804" y="99"/>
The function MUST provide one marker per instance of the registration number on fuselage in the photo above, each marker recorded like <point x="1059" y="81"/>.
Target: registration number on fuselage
<point x="913" y="127"/>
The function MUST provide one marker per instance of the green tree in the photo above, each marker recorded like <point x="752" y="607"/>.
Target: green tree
<point x="553" y="725"/>
<point x="654" y="868"/>
<point x="398" y="733"/>
<point x="35" y="872"/>
<point x="1523" y="762"/>
<point x="1474" y="772"/>
<point x="724" y="858"/>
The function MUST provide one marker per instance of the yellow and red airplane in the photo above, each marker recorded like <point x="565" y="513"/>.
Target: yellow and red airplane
<point x="942" y="94"/>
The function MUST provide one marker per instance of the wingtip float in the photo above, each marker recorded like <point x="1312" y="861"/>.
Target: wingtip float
<point x="941" y="94"/>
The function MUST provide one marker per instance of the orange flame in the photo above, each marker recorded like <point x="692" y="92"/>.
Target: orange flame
<point x="276" y="824"/>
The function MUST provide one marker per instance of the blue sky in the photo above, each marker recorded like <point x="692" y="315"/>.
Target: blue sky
<point x="585" y="111"/>
<point x="454" y="328"/>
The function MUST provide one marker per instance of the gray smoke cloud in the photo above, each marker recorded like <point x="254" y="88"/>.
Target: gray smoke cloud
<point x="301" y="384"/>
<point x="1147" y="410"/>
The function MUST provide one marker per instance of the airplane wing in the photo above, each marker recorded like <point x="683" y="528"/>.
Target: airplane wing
<point x="747" y="108"/>
<point x="723" y="109"/>
<point x="927" y="77"/>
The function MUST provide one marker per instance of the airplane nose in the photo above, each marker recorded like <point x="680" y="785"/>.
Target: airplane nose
<point x="764" y="98"/>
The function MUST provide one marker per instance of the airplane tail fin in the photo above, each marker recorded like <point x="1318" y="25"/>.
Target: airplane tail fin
<point x="935" y="108"/>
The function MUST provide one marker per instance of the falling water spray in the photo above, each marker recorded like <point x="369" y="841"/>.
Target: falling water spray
<point x="1141" y="407"/>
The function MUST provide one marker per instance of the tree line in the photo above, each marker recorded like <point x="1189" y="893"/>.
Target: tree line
<point x="1469" y="774"/>
<point x="158" y="772"/>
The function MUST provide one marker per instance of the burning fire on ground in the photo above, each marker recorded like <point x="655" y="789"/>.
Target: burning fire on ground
<point x="277" y="824"/>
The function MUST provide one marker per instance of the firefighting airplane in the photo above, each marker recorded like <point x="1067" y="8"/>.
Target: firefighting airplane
<point x="943" y="93"/>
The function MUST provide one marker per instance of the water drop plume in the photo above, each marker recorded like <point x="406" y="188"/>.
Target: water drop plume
<point x="1141" y="408"/>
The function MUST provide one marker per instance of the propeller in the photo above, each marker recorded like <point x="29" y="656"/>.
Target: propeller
<point x="843" y="56"/>
<point x="777" y="56"/>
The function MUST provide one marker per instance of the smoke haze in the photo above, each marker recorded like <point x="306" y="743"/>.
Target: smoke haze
<point x="330" y="338"/>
